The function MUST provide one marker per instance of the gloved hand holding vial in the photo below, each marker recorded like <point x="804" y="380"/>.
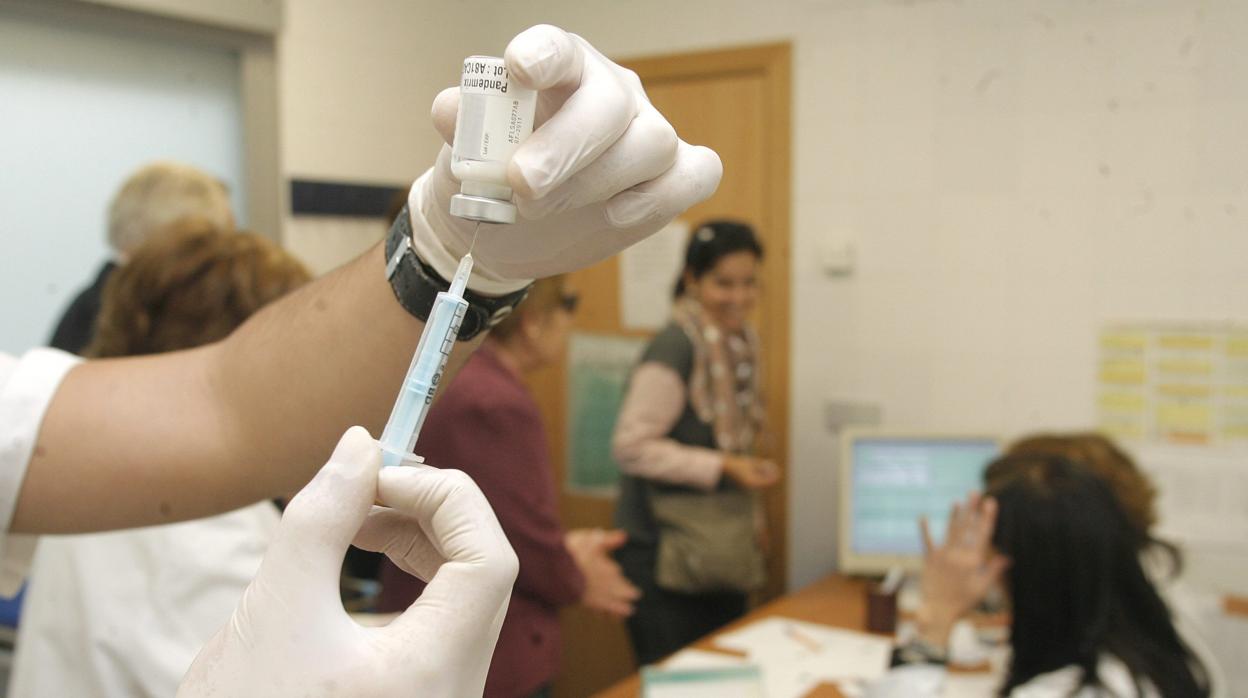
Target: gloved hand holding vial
<point x="602" y="169"/>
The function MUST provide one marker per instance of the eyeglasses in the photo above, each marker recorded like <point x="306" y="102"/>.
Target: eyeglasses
<point x="569" y="301"/>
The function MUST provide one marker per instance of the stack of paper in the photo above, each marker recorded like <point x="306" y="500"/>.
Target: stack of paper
<point x="795" y="656"/>
<point x="693" y="658"/>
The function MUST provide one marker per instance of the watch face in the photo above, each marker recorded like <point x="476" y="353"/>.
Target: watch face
<point x="500" y="315"/>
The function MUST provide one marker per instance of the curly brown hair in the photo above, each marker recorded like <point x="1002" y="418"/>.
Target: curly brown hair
<point x="191" y="284"/>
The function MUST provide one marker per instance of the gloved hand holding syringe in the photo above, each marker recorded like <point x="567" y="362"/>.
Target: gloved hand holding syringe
<point x="495" y="116"/>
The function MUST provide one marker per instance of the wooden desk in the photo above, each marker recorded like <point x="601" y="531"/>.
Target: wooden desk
<point x="837" y="601"/>
<point x="834" y="600"/>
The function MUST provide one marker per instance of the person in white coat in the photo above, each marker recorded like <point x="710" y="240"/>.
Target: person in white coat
<point x="89" y="446"/>
<point x="122" y="613"/>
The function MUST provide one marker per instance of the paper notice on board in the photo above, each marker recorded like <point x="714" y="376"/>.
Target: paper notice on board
<point x="1174" y="384"/>
<point x="1201" y="494"/>
<point x="647" y="274"/>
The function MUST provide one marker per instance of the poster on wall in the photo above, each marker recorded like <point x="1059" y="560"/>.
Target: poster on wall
<point x="598" y="367"/>
<point x="647" y="276"/>
<point x="1200" y="495"/>
<point x="1174" y="384"/>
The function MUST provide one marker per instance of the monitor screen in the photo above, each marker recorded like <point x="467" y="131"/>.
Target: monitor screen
<point x="896" y="479"/>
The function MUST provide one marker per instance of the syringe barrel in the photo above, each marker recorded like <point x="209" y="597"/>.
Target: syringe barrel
<point x="423" y="376"/>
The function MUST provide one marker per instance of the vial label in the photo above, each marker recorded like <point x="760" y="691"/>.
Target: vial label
<point x="484" y="76"/>
<point x="495" y="116"/>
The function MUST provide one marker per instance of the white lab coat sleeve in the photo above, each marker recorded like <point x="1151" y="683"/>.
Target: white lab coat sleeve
<point x="26" y="389"/>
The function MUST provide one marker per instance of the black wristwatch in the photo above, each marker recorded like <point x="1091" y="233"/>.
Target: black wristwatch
<point x="417" y="284"/>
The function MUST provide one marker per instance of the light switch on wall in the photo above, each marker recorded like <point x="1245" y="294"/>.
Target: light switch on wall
<point x="836" y="253"/>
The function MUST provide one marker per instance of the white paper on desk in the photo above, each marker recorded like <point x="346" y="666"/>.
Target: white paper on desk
<point x="648" y="272"/>
<point x="693" y="658"/>
<point x="781" y="679"/>
<point x="789" y="682"/>
<point x="810" y="650"/>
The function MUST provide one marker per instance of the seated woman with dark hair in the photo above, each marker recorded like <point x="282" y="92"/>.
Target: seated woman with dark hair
<point x="1136" y="495"/>
<point x="1087" y="619"/>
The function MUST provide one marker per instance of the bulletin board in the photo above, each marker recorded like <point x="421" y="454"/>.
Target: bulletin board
<point x="1174" y="384"/>
<point x="1176" y="396"/>
<point x="598" y="368"/>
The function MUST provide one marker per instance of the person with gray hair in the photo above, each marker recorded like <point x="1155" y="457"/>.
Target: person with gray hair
<point x="158" y="194"/>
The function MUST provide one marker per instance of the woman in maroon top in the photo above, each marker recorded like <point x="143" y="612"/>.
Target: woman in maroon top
<point x="488" y="424"/>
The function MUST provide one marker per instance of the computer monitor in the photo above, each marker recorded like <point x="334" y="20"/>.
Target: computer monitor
<point x="888" y="479"/>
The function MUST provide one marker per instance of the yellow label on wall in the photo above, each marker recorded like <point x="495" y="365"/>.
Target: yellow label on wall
<point x="1184" y="417"/>
<point x="1237" y="346"/>
<point x="1191" y="367"/>
<point x="1179" y="385"/>
<point x="1124" y="371"/>
<point x="1124" y="341"/>
<point x="1186" y="342"/>
<point x="1123" y="402"/>
<point x="1185" y="390"/>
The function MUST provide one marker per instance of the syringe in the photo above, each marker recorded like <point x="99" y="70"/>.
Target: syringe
<point x="436" y="341"/>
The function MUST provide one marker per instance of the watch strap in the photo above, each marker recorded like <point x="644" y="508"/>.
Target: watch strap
<point x="416" y="285"/>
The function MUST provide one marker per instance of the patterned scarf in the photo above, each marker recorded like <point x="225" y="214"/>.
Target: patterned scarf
<point x="725" y="386"/>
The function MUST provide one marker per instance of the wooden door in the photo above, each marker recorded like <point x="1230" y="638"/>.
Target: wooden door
<point x="737" y="102"/>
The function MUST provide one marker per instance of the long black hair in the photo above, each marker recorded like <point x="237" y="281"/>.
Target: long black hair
<point x="1132" y="488"/>
<point x="712" y="241"/>
<point x="1076" y="584"/>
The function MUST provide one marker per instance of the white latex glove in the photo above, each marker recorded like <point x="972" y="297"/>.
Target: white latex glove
<point x="290" y="636"/>
<point x="602" y="170"/>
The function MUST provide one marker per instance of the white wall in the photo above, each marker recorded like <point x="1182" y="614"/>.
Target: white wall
<point x="1014" y="174"/>
<point x="81" y="107"/>
<point x="357" y="82"/>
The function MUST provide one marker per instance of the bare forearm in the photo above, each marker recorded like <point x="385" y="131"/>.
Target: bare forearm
<point x="138" y="441"/>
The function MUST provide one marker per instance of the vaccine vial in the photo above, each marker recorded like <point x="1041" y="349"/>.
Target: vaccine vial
<point x="495" y="116"/>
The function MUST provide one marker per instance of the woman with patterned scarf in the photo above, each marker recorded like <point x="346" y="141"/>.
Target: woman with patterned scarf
<point x="685" y="439"/>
